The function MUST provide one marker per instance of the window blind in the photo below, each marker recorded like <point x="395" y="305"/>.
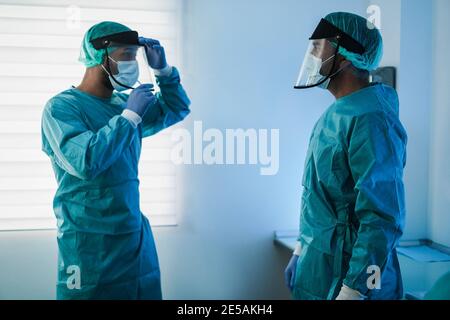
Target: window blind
<point x="39" y="48"/>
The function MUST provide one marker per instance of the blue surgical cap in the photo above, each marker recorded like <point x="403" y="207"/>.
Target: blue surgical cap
<point x="365" y="33"/>
<point x="90" y="56"/>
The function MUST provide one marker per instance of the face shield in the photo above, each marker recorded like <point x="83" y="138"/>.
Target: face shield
<point x="320" y="62"/>
<point x="126" y="62"/>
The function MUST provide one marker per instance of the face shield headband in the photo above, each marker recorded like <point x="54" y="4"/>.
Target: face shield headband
<point x="127" y="38"/>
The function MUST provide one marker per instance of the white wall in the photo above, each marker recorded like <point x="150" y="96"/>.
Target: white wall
<point x="414" y="87"/>
<point x="239" y="71"/>
<point x="28" y="265"/>
<point x="390" y="24"/>
<point x="439" y="219"/>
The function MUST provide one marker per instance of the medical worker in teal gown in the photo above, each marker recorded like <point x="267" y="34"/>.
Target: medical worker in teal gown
<point x="353" y="207"/>
<point x="93" y="137"/>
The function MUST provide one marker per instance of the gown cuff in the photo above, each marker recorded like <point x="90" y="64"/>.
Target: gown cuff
<point x="132" y="117"/>
<point x="298" y="249"/>
<point x="347" y="293"/>
<point x="164" y="72"/>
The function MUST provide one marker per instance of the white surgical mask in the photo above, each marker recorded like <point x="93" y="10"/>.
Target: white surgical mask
<point x="313" y="66"/>
<point x="324" y="85"/>
<point x="128" y="74"/>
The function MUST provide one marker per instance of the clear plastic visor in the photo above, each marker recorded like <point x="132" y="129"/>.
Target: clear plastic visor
<point x="318" y="63"/>
<point x="128" y="64"/>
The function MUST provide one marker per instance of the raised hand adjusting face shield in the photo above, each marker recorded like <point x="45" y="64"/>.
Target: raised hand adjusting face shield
<point x="126" y="62"/>
<point x="321" y="56"/>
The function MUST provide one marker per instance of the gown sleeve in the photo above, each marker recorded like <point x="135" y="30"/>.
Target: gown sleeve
<point x="376" y="158"/>
<point x="172" y="105"/>
<point x="78" y="150"/>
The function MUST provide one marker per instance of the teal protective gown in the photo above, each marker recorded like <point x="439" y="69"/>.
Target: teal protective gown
<point x="103" y="237"/>
<point x="353" y="205"/>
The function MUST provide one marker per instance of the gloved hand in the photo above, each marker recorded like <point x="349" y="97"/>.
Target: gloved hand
<point x="155" y="53"/>
<point x="140" y="99"/>
<point x="347" y="293"/>
<point x="290" y="271"/>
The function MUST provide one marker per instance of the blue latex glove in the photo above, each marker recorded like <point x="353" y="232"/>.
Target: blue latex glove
<point x="155" y="53"/>
<point x="290" y="271"/>
<point x="140" y="99"/>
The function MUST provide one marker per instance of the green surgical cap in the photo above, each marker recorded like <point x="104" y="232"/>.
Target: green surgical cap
<point x="91" y="57"/>
<point x="365" y="33"/>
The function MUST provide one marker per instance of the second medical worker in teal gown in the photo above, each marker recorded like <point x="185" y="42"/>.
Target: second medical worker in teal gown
<point x="92" y="134"/>
<point x="353" y="209"/>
